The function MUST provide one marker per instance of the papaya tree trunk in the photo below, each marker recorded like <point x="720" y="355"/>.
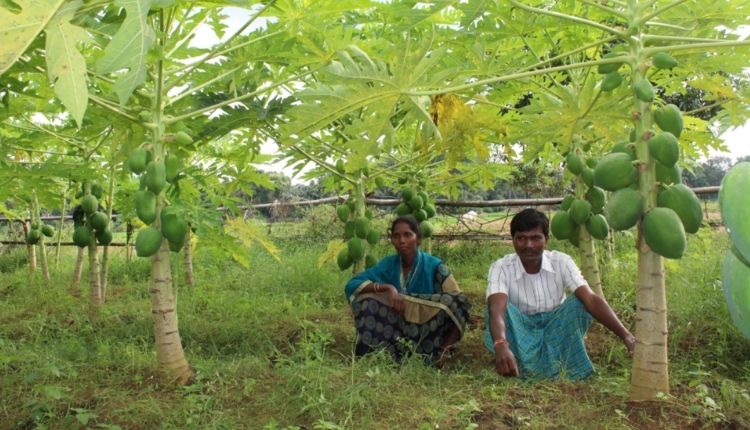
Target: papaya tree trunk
<point x="105" y="251"/>
<point x="42" y="248"/>
<point x="650" y="375"/>
<point x="94" y="280"/>
<point x="128" y="242"/>
<point x="589" y="262"/>
<point x="358" y="193"/>
<point x="171" y="362"/>
<point x="60" y="225"/>
<point x="78" y="269"/>
<point x="170" y="355"/>
<point x="30" y="249"/>
<point x="188" y="259"/>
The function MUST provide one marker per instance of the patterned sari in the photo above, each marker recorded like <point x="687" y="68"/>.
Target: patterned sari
<point x="433" y="307"/>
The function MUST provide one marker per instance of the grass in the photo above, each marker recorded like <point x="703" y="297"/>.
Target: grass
<point x="272" y="349"/>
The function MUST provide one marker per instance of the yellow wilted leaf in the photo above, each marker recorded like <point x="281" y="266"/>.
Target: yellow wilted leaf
<point x="248" y="233"/>
<point x="334" y="247"/>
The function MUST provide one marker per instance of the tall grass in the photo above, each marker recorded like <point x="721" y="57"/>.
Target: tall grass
<point x="272" y="349"/>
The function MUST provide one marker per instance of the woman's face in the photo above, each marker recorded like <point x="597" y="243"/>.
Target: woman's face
<point x="404" y="239"/>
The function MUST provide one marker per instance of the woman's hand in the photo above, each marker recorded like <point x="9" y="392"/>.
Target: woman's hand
<point x="629" y="341"/>
<point x="505" y="361"/>
<point x="397" y="301"/>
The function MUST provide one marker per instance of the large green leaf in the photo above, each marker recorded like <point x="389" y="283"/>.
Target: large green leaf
<point x="18" y="30"/>
<point x="66" y="66"/>
<point x="128" y="48"/>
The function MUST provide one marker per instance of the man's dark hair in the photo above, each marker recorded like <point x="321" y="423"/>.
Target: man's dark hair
<point x="408" y="220"/>
<point x="529" y="219"/>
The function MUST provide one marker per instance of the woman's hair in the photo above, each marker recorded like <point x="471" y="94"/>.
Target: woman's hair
<point x="529" y="219"/>
<point x="408" y="220"/>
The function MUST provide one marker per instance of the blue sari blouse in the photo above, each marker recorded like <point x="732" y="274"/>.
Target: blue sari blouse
<point x="420" y="280"/>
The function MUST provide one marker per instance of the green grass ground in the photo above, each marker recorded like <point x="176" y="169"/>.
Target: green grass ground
<point x="272" y="349"/>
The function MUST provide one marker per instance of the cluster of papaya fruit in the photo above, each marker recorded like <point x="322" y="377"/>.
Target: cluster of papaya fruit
<point x="643" y="89"/>
<point x="94" y="221"/>
<point x="576" y="213"/>
<point x="415" y="202"/>
<point x="37" y="230"/>
<point x="735" y="212"/>
<point x="357" y="231"/>
<point x="154" y="177"/>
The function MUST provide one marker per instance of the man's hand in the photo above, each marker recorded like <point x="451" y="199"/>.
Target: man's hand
<point x="397" y="302"/>
<point x="505" y="361"/>
<point x="629" y="341"/>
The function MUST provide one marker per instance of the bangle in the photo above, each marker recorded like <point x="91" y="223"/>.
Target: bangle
<point x="500" y="342"/>
<point x="376" y="286"/>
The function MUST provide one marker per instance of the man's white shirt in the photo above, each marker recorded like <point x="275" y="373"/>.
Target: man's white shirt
<point x="539" y="292"/>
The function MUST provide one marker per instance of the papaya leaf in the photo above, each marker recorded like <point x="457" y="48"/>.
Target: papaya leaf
<point x="18" y="30"/>
<point x="334" y="247"/>
<point x="128" y="48"/>
<point x="65" y="64"/>
<point x="248" y="233"/>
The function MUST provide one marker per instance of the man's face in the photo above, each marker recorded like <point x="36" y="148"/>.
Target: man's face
<point x="529" y="245"/>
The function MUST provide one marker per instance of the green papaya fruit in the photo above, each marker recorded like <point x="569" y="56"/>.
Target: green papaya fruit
<point x="611" y="81"/>
<point x="662" y="60"/>
<point x="736" y="282"/>
<point x="35" y="225"/>
<point x="403" y="209"/>
<point x="420" y="215"/>
<point x="79" y="194"/>
<point x="580" y="210"/>
<point x="609" y="67"/>
<point x="424" y="196"/>
<point x="48" y="230"/>
<point x="182" y="138"/>
<point x="156" y="177"/>
<point x="663" y="233"/>
<point x="614" y="171"/>
<point x="145" y="206"/>
<point x="145" y="115"/>
<point x="82" y="236"/>
<point x="735" y="212"/>
<point x="623" y="209"/>
<point x="416" y="203"/>
<point x="343" y="213"/>
<point x="686" y="205"/>
<point x="566" y="202"/>
<point x="562" y="225"/>
<point x="349" y="230"/>
<point x="575" y="236"/>
<point x="340" y="167"/>
<point x="668" y="175"/>
<point x="172" y="167"/>
<point x="176" y="246"/>
<point x="402" y="180"/>
<point x="89" y="204"/>
<point x="597" y="227"/>
<point x="644" y="91"/>
<point x="380" y="182"/>
<point x="370" y="261"/>
<point x="664" y="148"/>
<point x="407" y="194"/>
<point x="591" y="163"/>
<point x="574" y="164"/>
<point x="361" y="227"/>
<point x="669" y="118"/>
<point x="104" y="237"/>
<point x="147" y="242"/>
<point x="137" y="160"/>
<point x="97" y="190"/>
<point x="597" y="198"/>
<point x="98" y="221"/>
<point x="587" y="176"/>
<point x="174" y="228"/>
<point x="356" y="249"/>
<point x="343" y="260"/>
<point x="425" y="227"/>
<point x="429" y="208"/>
<point x="624" y="148"/>
<point x="33" y="236"/>
<point x="351" y="204"/>
<point x="373" y="237"/>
